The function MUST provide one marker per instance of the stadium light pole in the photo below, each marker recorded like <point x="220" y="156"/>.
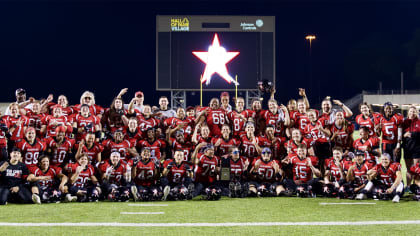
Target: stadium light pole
<point x="311" y="37"/>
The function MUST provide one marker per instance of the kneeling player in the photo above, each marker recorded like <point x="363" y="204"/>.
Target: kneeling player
<point x="206" y="171"/>
<point x="52" y="186"/>
<point x="116" y="175"/>
<point x="303" y="169"/>
<point x="233" y="174"/>
<point x="144" y="175"/>
<point x="267" y="175"/>
<point x="356" y="178"/>
<point x="335" y="173"/>
<point x="176" y="179"/>
<point x="82" y="181"/>
<point x="387" y="180"/>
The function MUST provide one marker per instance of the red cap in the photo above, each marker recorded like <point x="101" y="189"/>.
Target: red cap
<point x="223" y="94"/>
<point x="60" y="129"/>
<point x="139" y="94"/>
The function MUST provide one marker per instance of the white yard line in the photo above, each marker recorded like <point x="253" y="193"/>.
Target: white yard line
<point x="347" y="203"/>
<point x="148" y="205"/>
<point x="141" y="213"/>
<point x="115" y="224"/>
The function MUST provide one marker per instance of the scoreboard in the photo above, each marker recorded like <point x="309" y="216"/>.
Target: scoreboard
<point x="215" y="52"/>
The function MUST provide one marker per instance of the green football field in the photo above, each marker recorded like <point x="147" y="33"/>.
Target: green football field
<point x="290" y="211"/>
<point x="250" y="216"/>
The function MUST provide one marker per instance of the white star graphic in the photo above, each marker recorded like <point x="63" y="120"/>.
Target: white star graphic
<point x="216" y="59"/>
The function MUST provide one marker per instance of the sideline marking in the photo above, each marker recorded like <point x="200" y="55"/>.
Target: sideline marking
<point x="147" y="205"/>
<point x="141" y="213"/>
<point x="115" y="224"/>
<point x="347" y="203"/>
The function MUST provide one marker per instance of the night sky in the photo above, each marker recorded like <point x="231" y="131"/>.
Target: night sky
<point x="72" y="46"/>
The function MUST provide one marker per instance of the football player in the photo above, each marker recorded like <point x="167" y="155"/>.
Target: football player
<point x="145" y="174"/>
<point x="116" y="175"/>
<point x="176" y="179"/>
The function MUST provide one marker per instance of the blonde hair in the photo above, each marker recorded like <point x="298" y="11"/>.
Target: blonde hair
<point x="87" y="94"/>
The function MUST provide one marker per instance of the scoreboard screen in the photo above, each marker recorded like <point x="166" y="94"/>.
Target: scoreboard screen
<point x="215" y="52"/>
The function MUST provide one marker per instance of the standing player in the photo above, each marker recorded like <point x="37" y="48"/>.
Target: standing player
<point x="342" y="133"/>
<point x="411" y="140"/>
<point x="239" y="117"/>
<point x="215" y="117"/>
<point x="117" y="144"/>
<point x="278" y="117"/>
<point x="390" y="126"/>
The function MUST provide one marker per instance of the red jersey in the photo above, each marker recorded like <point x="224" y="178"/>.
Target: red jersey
<point x="177" y="173"/>
<point x="94" y="109"/>
<point x="224" y="146"/>
<point x="292" y="147"/>
<point x="390" y="127"/>
<point x="301" y="121"/>
<point x="248" y="148"/>
<point x="122" y="147"/>
<point x="301" y="171"/>
<point x="237" y="167"/>
<point x="237" y="123"/>
<point x="215" y="119"/>
<point x="30" y="152"/>
<point x="389" y="175"/>
<point x="156" y="147"/>
<point x="117" y="174"/>
<point x="205" y="170"/>
<point x="82" y="122"/>
<point x="132" y="137"/>
<point x="368" y="122"/>
<point x="371" y="143"/>
<point x="266" y="172"/>
<point x="52" y="172"/>
<point x="315" y="135"/>
<point x="59" y="151"/>
<point x="173" y="122"/>
<point x="50" y="120"/>
<point x="187" y="147"/>
<point x="415" y="170"/>
<point x="91" y="152"/>
<point x="34" y="120"/>
<point x="146" y="123"/>
<point x="276" y="120"/>
<point x="84" y="176"/>
<point x="343" y="136"/>
<point x="277" y="147"/>
<point x="18" y="133"/>
<point x="360" y="173"/>
<point x="145" y="173"/>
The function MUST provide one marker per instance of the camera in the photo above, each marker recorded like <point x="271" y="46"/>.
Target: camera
<point x="265" y="86"/>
